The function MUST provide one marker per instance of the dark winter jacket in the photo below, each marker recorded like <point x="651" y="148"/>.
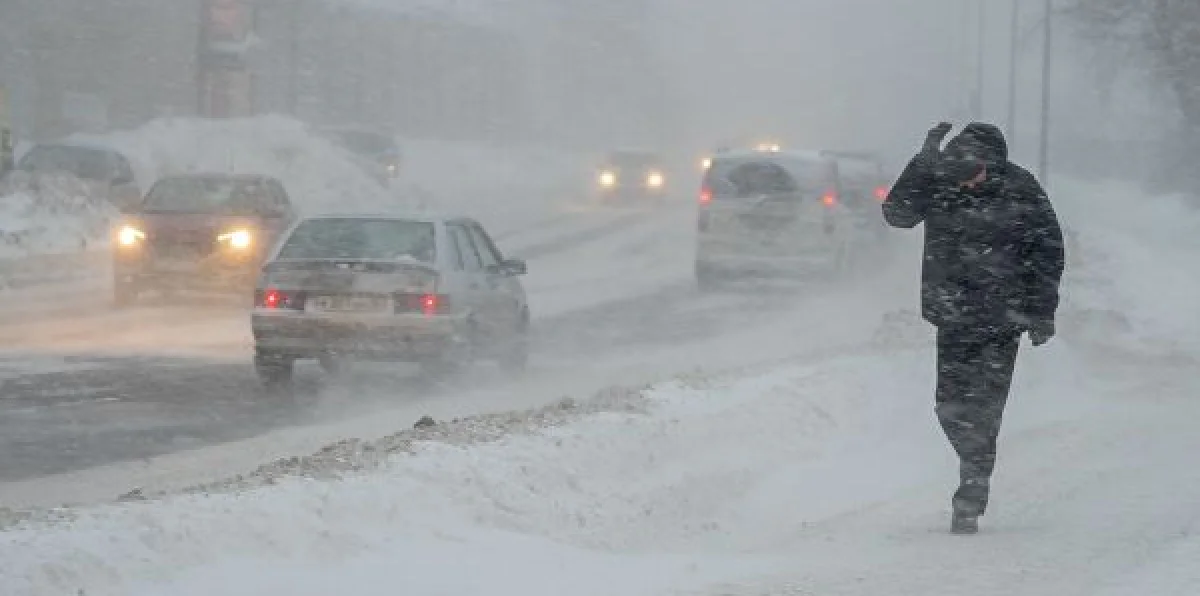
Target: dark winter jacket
<point x="994" y="254"/>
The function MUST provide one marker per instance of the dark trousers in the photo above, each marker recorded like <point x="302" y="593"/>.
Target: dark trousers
<point x="975" y="370"/>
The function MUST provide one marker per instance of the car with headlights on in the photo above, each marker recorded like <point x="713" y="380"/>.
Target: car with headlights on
<point x="377" y="153"/>
<point x="434" y="291"/>
<point x="632" y="174"/>
<point x="198" y="232"/>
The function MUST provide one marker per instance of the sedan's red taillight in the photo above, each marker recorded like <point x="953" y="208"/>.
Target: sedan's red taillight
<point x="829" y="200"/>
<point x="426" y="304"/>
<point x="271" y="298"/>
<point x="706" y="195"/>
<point x="881" y="193"/>
<point x="274" y="298"/>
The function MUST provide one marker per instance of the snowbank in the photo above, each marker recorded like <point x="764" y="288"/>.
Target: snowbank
<point x="318" y="175"/>
<point x="49" y="215"/>
<point x="1131" y="278"/>
<point x="549" y="495"/>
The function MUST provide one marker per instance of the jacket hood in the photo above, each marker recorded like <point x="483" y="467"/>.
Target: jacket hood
<point x="980" y="141"/>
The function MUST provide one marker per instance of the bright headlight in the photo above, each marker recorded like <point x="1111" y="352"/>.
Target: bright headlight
<point x="129" y="235"/>
<point x="654" y="179"/>
<point x="608" y="178"/>
<point x="236" y="239"/>
<point x="706" y="163"/>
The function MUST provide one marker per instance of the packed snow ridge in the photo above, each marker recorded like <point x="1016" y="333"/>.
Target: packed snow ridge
<point x="356" y="455"/>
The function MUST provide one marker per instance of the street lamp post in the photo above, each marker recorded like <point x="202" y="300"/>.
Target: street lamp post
<point x="1014" y="45"/>
<point x="980" y="81"/>
<point x="1047" y="62"/>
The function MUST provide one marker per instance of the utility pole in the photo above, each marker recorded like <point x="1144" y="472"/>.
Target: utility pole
<point x="1047" y="62"/>
<point x="293" y="78"/>
<point x="981" y="41"/>
<point x="1014" y="43"/>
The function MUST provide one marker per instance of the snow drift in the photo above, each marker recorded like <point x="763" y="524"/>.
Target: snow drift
<point x="47" y="214"/>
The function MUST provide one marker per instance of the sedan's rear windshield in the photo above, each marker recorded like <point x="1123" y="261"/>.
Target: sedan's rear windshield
<point x="354" y="238"/>
<point x="207" y="195"/>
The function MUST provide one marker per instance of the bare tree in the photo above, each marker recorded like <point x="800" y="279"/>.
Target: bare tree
<point x="1163" y="35"/>
<point x="1162" y="38"/>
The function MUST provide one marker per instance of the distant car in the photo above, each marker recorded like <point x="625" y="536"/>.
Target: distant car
<point x="434" y="291"/>
<point x="632" y="174"/>
<point x="377" y="153"/>
<point x="198" y="231"/>
<point x="104" y="171"/>
<point x="775" y="213"/>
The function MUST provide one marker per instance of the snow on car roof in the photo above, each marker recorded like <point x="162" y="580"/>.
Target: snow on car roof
<point x="396" y="215"/>
<point x="86" y="145"/>
<point x="239" y="177"/>
<point x="795" y="154"/>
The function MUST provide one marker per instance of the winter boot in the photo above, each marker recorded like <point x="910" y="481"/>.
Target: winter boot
<point x="964" y="522"/>
<point x="969" y="502"/>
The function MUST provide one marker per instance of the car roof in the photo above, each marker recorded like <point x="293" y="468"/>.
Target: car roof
<point x="422" y="217"/>
<point x="219" y="176"/>
<point x="785" y="154"/>
<point x="76" y="145"/>
<point x="354" y="130"/>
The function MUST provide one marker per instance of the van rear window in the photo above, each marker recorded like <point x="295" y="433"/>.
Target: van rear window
<point x="745" y="178"/>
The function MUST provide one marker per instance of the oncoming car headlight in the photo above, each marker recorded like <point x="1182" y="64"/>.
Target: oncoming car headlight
<point x="129" y="236"/>
<point x="608" y="178"/>
<point x="655" y="180"/>
<point x="237" y="238"/>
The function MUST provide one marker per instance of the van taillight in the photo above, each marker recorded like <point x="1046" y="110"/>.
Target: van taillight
<point x="829" y="200"/>
<point x="706" y="195"/>
<point x="881" y="193"/>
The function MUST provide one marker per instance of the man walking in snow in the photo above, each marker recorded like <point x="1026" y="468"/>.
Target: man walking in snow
<point x="993" y="259"/>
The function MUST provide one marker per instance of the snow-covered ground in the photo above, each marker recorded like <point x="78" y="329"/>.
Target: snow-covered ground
<point x="809" y="465"/>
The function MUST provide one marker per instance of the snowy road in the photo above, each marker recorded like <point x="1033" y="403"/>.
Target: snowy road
<point x="105" y="387"/>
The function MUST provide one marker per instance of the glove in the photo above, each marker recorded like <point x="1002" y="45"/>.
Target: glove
<point x="1041" y="332"/>
<point x="933" y="140"/>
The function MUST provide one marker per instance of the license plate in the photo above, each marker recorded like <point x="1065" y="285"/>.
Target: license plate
<point x="368" y="303"/>
<point x="175" y="265"/>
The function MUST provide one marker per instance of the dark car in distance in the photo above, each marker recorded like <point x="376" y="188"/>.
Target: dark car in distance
<point x="632" y="174"/>
<point x="198" y="232"/>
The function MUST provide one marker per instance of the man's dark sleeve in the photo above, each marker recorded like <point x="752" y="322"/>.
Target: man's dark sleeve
<point x="1044" y="255"/>
<point x="908" y="202"/>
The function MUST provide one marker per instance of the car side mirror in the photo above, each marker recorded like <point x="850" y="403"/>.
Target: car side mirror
<point x="514" y="267"/>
